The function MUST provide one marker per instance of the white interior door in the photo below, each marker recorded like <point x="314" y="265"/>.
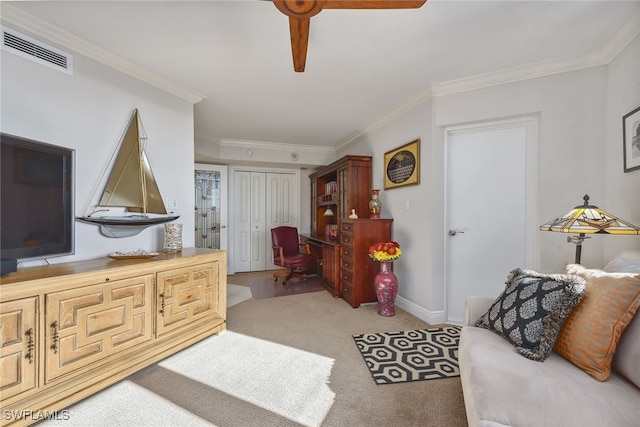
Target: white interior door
<point x="282" y="206"/>
<point x="249" y="245"/>
<point x="490" y="208"/>
<point x="258" y="221"/>
<point x="242" y="221"/>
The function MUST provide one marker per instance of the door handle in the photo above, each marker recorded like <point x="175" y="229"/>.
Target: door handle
<point x="453" y="232"/>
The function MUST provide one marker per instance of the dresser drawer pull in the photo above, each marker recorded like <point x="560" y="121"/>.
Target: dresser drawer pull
<point x="162" y="304"/>
<point x="30" y="345"/>
<point x="54" y="346"/>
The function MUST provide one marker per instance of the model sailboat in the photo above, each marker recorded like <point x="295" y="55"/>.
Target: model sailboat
<point x="132" y="186"/>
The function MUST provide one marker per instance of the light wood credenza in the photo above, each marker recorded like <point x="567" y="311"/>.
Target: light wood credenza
<point x="69" y="330"/>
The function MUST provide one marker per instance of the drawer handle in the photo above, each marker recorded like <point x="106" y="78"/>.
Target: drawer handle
<point x="162" y="304"/>
<point x="54" y="346"/>
<point x="30" y="345"/>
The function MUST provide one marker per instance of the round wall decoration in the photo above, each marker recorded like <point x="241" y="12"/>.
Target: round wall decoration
<point x="402" y="165"/>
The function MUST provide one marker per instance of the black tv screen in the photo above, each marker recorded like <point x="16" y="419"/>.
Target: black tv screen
<point x="36" y="199"/>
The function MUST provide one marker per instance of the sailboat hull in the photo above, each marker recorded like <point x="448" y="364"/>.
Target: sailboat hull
<point x="125" y="226"/>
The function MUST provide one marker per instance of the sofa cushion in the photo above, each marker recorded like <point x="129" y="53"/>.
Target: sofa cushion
<point x="623" y="265"/>
<point x="590" y="334"/>
<point x="502" y="388"/>
<point x="625" y="361"/>
<point x="531" y="309"/>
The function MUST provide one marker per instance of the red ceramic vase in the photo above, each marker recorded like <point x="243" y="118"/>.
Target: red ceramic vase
<point x="386" y="286"/>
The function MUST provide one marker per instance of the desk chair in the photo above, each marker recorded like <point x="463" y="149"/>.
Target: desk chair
<point x="286" y="253"/>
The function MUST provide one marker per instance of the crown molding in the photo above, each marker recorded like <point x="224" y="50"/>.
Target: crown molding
<point x="226" y="142"/>
<point x="203" y="136"/>
<point x="517" y="74"/>
<point x="36" y="27"/>
<point x="627" y="33"/>
<point x="404" y="107"/>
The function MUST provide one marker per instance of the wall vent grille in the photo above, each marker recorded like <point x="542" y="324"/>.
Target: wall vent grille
<point x="35" y="50"/>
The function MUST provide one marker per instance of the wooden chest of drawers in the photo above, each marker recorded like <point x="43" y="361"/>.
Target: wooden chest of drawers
<point x="357" y="270"/>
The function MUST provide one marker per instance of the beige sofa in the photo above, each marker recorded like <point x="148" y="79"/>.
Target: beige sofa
<point x="503" y="388"/>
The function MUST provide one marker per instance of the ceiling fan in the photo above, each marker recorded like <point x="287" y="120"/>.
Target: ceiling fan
<point x="301" y="11"/>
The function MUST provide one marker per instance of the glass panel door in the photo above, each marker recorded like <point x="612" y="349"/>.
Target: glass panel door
<point x="207" y="209"/>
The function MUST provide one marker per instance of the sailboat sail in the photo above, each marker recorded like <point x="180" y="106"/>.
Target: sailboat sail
<point x="131" y="185"/>
<point x="132" y="166"/>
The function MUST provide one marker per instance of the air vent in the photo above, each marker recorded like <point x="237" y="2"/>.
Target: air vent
<point x="36" y="51"/>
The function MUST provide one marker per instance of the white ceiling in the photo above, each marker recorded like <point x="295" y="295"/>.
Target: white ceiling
<point x="361" y="64"/>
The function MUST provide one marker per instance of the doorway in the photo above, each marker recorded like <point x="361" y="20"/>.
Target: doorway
<point x="261" y="200"/>
<point x="490" y="207"/>
<point x="211" y="207"/>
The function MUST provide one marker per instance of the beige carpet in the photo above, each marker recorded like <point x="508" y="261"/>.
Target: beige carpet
<point x="236" y="294"/>
<point x="266" y="287"/>
<point x="298" y="332"/>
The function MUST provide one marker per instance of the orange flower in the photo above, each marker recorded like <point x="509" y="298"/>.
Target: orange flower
<point x="385" y="251"/>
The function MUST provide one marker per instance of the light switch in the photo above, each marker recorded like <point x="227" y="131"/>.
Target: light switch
<point x="406" y="204"/>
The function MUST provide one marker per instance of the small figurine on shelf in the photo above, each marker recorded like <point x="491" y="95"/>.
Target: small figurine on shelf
<point x="353" y="214"/>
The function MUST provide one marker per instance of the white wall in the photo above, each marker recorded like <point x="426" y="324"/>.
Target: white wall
<point x="412" y="228"/>
<point x="89" y="111"/>
<point x="579" y="152"/>
<point x="622" y="196"/>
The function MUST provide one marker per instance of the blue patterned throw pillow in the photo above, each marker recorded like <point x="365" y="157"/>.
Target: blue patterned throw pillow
<point x="530" y="311"/>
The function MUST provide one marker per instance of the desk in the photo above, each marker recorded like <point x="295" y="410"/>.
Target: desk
<point x="328" y="250"/>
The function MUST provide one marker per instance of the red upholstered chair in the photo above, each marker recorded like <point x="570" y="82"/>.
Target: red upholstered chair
<point x="286" y="253"/>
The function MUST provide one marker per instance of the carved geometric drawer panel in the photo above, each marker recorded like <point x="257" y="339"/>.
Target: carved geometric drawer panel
<point x="17" y="347"/>
<point x="86" y="325"/>
<point x="185" y="295"/>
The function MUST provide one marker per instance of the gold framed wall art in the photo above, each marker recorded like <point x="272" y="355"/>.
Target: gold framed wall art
<point x="402" y="165"/>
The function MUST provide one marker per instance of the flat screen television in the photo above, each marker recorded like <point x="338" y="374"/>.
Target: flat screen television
<point x="36" y="199"/>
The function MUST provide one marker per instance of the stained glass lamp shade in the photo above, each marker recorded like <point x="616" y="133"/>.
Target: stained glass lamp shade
<point x="588" y="219"/>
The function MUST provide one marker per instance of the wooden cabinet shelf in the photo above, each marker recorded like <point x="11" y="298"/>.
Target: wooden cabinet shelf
<point x="328" y="199"/>
<point x="69" y="330"/>
<point x="343" y="185"/>
<point x="348" y="271"/>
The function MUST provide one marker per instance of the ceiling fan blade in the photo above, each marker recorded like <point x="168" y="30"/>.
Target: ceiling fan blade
<point x="299" y="29"/>
<point x="374" y="4"/>
<point x="301" y="11"/>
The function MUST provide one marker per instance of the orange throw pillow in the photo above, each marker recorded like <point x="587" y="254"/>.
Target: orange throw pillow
<point x="589" y="336"/>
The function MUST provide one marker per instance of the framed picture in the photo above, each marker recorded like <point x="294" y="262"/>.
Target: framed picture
<point x="402" y="166"/>
<point x="631" y="140"/>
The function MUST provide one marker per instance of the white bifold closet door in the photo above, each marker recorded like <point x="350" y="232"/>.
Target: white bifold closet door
<point x="263" y="200"/>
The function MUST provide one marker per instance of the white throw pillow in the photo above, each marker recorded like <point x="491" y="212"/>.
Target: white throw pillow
<point x="622" y="265"/>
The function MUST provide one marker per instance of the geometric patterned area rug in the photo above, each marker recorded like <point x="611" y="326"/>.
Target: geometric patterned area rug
<point x="421" y="354"/>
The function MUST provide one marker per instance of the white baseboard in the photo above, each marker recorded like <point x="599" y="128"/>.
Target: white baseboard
<point x="431" y="317"/>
